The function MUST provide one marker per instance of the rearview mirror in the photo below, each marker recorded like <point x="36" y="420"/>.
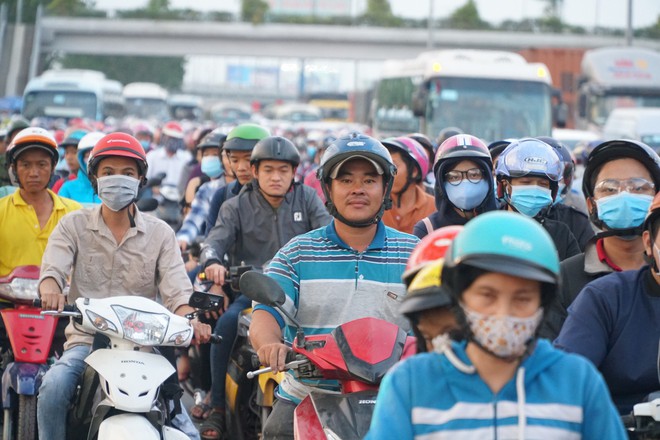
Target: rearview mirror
<point x="262" y="289"/>
<point x="204" y="300"/>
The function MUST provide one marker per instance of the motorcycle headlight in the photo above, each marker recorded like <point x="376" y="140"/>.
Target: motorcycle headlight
<point x="100" y="322"/>
<point x="142" y="327"/>
<point x="20" y="289"/>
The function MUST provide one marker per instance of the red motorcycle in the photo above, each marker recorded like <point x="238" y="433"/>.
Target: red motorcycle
<point x="30" y="337"/>
<point x="357" y="354"/>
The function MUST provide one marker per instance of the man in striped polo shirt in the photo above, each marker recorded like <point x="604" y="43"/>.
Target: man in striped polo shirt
<point x="347" y="270"/>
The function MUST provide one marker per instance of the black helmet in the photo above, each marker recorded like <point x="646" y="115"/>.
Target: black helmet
<point x="496" y="148"/>
<point x="446" y="133"/>
<point x="275" y="148"/>
<point x="214" y="139"/>
<point x="566" y="159"/>
<point x="356" y="145"/>
<point x="15" y="126"/>
<point x="619" y="149"/>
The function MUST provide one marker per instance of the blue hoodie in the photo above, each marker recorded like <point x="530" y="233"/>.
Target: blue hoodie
<point x="553" y="395"/>
<point x="80" y="189"/>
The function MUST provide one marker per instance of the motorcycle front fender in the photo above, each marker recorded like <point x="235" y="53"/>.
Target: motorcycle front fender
<point x="132" y="425"/>
<point x="127" y="426"/>
<point x="23" y="378"/>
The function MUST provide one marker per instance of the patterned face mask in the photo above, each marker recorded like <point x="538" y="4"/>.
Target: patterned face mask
<point x="503" y="336"/>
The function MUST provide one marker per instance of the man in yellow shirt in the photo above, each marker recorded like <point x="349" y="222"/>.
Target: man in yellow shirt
<point x="28" y="216"/>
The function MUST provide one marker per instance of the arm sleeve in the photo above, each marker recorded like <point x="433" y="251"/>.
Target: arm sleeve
<point x="392" y="416"/>
<point x="60" y="254"/>
<point x="223" y="235"/>
<point x="173" y="283"/>
<point x="600" y="417"/>
<point x="283" y="271"/>
<point x="588" y="325"/>
<point x="214" y="207"/>
<point x="317" y="213"/>
<point x="193" y="224"/>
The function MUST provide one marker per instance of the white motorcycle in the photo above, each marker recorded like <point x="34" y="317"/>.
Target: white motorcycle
<point x="130" y="372"/>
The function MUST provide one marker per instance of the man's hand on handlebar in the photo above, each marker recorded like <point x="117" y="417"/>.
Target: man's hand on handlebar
<point x="273" y="355"/>
<point x="201" y="331"/>
<point x="216" y="272"/>
<point x="51" y="295"/>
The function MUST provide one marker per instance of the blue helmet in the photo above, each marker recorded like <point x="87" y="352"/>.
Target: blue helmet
<point x="504" y="242"/>
<point x="356" y="145"/>
<point x="529" y="157"/>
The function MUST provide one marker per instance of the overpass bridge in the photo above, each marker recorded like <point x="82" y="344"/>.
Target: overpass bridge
<point x="25" y="47"/>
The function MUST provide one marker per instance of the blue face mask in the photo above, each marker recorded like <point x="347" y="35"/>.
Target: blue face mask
<point x="211" y="166"/>
<point x="467" y="195"/>
<point x="530" y="199"/>
<point x="623" y="210"/>
<point x="311" y="152"/>
<point x="145" y="144"/>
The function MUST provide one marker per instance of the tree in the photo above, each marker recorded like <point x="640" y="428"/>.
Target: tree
<point x="467" y="17"/>
<point x="67" y="7"/>
<point x="166" y="71"/>
<point x="254" y="11"/>
<point x="379" y="13"/>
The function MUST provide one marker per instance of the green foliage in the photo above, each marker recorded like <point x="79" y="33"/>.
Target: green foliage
<point x="166" y="71"/>
<point x="254" y="11"/>
<point x="467" y="17"/>
<point x="379" y="13"/>
<point x="652" y="31"/>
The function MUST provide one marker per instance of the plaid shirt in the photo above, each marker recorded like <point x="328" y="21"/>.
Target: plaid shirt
<point x="194" y="223"/>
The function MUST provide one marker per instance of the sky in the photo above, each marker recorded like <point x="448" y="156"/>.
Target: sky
<point x="587" y="13"/>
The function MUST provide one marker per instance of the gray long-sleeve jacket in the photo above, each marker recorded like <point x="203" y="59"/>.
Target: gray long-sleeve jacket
<point x="250" y="230"/>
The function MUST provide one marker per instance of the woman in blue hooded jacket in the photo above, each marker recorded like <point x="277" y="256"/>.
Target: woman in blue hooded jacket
<point x="502" y="381"/>
<point x="80" y="189"/>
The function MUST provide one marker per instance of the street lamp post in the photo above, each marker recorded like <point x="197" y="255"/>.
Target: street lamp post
<point x="429" y="41"/>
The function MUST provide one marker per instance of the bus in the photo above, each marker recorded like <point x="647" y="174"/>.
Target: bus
<point x="335" y="107"/>
<point x="73" y="93"/>
<point x="490" y="94"/>
<point x="146" y="100"/>
<point x="616" y="77"/>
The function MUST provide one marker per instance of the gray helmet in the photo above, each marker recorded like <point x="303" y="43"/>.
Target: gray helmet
<point x="275" y="148"/>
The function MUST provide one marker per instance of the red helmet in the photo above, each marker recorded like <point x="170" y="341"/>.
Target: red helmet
<point x="173" y="129"/>
<point x="117" y="144"/>
<point x="431" y="248"/>
<point x="32" y="137"/>
<point x="463" y="146"/>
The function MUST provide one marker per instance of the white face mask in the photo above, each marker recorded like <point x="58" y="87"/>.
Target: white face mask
<point x="503" y="336"/>
<point x="117" y="192"/>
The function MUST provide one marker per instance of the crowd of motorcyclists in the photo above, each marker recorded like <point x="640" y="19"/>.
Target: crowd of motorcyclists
<point x="529" y="278"/>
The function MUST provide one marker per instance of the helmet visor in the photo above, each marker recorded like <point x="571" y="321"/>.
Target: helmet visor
<point x="531" y="157"/>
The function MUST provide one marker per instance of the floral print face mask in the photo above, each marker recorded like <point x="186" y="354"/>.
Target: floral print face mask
<point x="503" y="336"/>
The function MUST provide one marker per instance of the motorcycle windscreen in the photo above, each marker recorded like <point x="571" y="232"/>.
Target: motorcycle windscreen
<point x="369" y="347"/>
<point x="348" y="416"/>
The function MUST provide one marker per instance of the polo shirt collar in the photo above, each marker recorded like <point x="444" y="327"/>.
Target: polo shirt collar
<point x="18" y="200"/>
<point x="378" y="241"/>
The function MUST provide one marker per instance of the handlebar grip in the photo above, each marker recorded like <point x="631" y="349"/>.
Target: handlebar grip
<point x="290" y="356"/>
<point x="215" y="339"/>
<point x="628" y="421"/>
<point x="67" y="307"/>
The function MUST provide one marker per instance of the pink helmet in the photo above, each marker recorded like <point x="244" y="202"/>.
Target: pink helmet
<point x="411" y="149"/>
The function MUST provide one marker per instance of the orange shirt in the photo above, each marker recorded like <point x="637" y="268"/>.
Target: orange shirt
<point x="405" y="221"/>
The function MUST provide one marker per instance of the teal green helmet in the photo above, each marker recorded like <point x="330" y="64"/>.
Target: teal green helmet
<point x="508" y="243"/>
<point x="244" y="137"/>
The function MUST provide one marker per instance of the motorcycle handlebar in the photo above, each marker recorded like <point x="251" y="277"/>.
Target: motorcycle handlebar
<point x="215" y="339"/>
<point x="67" y="307"/>
<point x="288" y="366"/>
<point x="628" y="421"/>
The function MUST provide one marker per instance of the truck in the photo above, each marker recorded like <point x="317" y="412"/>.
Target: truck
<point x="616" y="77"/>
<point x="73" y="93"/>
<point x="145" y="100"/>
<point x="490" y="94"/>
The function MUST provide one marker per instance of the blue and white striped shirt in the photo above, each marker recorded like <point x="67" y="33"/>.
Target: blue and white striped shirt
<point x="327" y="283"/>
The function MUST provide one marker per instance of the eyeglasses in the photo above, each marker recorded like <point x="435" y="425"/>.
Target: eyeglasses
<point x="473" y="175"/>
<point x="635" y="185"/>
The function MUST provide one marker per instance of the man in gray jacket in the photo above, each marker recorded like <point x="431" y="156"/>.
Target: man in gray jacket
<point x="250" y="229"/>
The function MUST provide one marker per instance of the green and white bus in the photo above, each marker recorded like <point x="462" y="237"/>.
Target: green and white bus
<point x="73" y="93"/>
<point x="490" y="94"/>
